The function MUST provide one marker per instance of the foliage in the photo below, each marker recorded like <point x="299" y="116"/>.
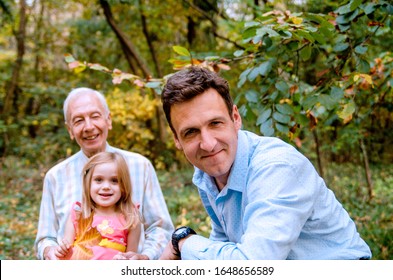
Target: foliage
<point x="304" y="69"/>
<point x="21" y="184"/>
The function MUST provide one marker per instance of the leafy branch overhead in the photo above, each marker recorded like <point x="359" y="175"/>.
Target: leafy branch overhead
<point x="283" y="97"/>
<point x="184" y="60"/>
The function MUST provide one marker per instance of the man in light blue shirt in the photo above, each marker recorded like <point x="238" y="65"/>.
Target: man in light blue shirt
<point x="265" y="199"/>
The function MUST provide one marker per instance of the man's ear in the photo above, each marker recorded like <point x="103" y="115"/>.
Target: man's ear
<point x="177" y="143"/>
<point x="109" y="121"/>
<point x="70" y="131"/>
<point x="237" y="119"/>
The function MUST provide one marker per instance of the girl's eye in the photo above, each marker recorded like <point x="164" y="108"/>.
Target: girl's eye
<point x="115" y="180"/>
<point x="98" y="180"/>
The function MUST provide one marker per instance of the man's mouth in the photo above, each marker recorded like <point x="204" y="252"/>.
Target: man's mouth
<point x="92" y="137"/>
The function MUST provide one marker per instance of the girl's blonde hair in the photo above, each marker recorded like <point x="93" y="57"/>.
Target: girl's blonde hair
<point x="125" y="204"/>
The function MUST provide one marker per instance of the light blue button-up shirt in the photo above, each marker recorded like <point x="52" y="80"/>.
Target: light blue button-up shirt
<point x="274" y="206"/>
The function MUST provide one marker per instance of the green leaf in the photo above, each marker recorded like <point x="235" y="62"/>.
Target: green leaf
<point x="69" y="58"/>
<point x="302" y="120"/>
<point x="285" y="109"/>
<point x="249" y="33"/>
<point x="347" y="111"/>
<point x="181" y="50"/>
<point x="251" y="24"/>
<point x="238" y="53"/>
<point x="98" y="67"/>
<point x="273" y="96"/>
<point x="326" y="32"/>
<point x="344" y="27"/>
<point x="266" y="30"/>
<point x="354" y="4"/>
<point x="265" y="67"/>
<point x="344" y="9"/>
<point x="281" y="117"/>
<point x="257" y="39"/>
<point x="336" y="93"/>
<point x="253" y="74"/>
<point x="282" y="128"/>
<point x="309" y="102"/>
<point x="285" y="34"/>
<point x="267" y="128"/>
<point x="319" y="38"/>
<point x="361" y="49"/>
<point x="264" y="116"/>
<point x="341" y="47"/>
<point x="305" y="35"/>
<point x="364" y="66"/>
<point x="153" y="85"/>
<point x="327" y="101"/>
<point x="252" y="96"/>
<point x="282" y="86"/>
<point x="370" y="8"/>
<point x="305" y="53"/>
<point x="243" y="77"/>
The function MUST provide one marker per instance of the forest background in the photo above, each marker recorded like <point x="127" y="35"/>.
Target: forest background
<point x="317" y="74"/>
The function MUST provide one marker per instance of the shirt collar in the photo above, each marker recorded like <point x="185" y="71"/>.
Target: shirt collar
<point x="108" y="148"/>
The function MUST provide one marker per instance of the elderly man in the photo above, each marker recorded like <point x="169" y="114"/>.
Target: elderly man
<point x="88" y="122"/>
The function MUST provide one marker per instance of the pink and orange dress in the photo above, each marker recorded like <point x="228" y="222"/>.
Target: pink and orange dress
<point x="98" y="237"/>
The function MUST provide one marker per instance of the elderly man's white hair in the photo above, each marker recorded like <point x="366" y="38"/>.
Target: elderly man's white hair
<point x="81" y="91"/>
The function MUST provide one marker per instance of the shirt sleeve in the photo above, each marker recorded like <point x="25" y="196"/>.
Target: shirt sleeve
<point x="47" y="226"/>
<point x="158" y="225"/>
<point x="280" y="198"/>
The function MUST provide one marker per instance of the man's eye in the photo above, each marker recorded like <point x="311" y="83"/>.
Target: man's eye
<point x="189" y="132"/>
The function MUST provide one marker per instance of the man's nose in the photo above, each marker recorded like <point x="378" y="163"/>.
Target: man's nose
<point x="88" y="124"/>
<point x="208" y="141"/>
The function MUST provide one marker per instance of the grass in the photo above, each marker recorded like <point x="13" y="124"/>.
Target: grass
<point x="21" y="186"/>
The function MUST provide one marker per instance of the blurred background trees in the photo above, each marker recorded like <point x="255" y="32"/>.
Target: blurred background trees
<point x="315" y="73"/>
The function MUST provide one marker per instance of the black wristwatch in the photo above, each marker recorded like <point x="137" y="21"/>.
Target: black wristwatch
<point x="179" y="234"/>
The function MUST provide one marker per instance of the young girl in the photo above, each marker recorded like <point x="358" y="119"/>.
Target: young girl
<point x="107" y="221"/>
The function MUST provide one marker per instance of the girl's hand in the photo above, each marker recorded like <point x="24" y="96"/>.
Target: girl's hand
<point x="64" y="250"/>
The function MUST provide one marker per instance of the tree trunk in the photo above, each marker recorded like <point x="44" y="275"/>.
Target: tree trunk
<point x="318" y="152"/>
<point x="12" y="87"/>
<point x="370" y="185"/>
<point x="149" y="40"/>
<point x="129" y="49"/>
<point x="127" y="45"/>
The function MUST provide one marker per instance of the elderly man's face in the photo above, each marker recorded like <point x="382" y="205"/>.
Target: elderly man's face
<point x="88" y="123"/>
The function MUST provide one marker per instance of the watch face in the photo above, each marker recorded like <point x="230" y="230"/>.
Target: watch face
<point x="181" y="230"/>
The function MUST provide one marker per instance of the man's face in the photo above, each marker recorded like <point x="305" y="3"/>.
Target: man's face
<point x="88" y="123"/>
<point x="207" y="134"/>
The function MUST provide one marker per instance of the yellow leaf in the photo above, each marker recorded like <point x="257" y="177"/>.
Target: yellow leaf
<point x="297" y="20"/>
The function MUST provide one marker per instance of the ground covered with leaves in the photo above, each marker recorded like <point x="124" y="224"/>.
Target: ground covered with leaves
<point x="21" y="186"/>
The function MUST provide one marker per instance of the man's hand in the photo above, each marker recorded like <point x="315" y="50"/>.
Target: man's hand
<point x="169" y="253"/>
<point x="49" y="253"/>
<point x="130" y="256"/>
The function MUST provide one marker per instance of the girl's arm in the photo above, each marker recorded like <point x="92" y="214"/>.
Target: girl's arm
<point x="134" y="235"/>
<point x="65" y="246"/>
